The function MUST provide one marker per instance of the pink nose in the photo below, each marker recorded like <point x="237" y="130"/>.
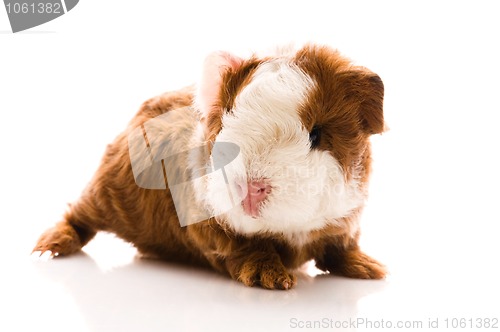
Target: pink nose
<point x="257" y="192"/>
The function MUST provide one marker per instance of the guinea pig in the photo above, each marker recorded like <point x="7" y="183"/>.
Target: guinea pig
<point x="259" y="168"/>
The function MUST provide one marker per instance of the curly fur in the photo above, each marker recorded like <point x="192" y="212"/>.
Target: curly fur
<point x="268" y="106"/>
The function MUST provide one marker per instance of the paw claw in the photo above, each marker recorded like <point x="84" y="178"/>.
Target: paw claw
<point x="58" y="242"/>
<point x="359" y="266"/>
<point x="267" y="276"/>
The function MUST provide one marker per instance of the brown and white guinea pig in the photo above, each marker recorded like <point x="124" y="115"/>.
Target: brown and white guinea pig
<point x="301" y="122"/>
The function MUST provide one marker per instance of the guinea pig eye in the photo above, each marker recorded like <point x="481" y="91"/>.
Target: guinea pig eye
<point x="315" y="136"/>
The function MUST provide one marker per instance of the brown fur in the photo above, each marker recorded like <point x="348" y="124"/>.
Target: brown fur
<point x="355" y="111"/>
<point x="233" y="80"/>
<point x="348" y="102"/>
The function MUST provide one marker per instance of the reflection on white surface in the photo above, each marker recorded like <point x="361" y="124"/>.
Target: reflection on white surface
<point x="151" y="295"/>
<point x="108" y="287"/>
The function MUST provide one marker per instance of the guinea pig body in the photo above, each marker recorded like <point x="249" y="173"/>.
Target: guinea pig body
<point x="299" y="123"/>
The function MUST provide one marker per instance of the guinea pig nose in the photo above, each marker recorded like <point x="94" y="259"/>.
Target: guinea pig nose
<point x="256" y="193"/>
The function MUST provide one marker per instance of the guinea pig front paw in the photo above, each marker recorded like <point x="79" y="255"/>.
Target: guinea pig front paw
<point x="352" y="264"/>
<point x="269" y="275"/>
<point x="363" y="266"/>
<point x="59" y="240"/>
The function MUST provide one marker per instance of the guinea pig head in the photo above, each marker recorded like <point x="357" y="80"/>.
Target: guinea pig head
<point x="302" y="122"/>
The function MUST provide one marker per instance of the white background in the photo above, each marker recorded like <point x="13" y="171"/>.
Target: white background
<point x="69" y="86"/>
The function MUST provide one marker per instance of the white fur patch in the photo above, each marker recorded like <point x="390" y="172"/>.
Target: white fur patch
<point x="309" y="190"/>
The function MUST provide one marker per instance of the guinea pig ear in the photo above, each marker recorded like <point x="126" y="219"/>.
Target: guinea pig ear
<point x="216" y="64"/>
<point x="370" y="89"/>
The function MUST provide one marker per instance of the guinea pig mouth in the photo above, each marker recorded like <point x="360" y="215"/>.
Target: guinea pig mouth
<point x="255" y="193"/>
